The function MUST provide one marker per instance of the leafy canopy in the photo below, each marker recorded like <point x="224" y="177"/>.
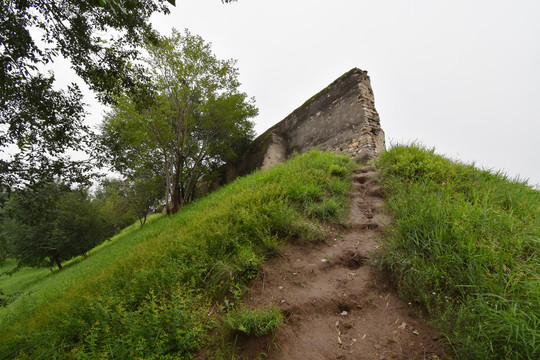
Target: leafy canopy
<point x="50" y="224"/>
<point x="198" y="120"/>
<point x="39" y="123"/>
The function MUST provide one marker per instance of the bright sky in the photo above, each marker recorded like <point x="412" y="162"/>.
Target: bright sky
<point x="460" y="76"/>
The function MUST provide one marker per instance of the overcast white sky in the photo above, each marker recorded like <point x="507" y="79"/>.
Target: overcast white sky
<point x="462" y="76"/>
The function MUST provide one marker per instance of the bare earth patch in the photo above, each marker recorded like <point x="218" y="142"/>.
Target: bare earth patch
<point x="337" y="305"/>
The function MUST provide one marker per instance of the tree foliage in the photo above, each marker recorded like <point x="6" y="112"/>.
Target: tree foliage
<point x="4" y="251"/>
<point x="121" y="202"/>
<point x="50" y="224"/>
<point x="198" y="120"/>
<point x="47" y="224"/>
<point x="145" y="191"/>
<point x="113" y="202"/>
<point x="38" y="122"/>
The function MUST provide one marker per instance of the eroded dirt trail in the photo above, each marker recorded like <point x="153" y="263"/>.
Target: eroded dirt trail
<point x="339" y="306"/>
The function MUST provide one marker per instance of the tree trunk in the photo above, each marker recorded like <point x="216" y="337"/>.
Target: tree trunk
<point x="176" y="185"/>
<point x="142" y="219"/>
<point x="191" y="185"/>
<point x="167" y="186"/>
<point x="56" y="259"/>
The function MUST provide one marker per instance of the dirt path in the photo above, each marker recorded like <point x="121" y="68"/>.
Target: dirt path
<point x="339" y="306"/>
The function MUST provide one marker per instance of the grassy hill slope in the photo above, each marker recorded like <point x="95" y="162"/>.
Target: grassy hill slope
<point x="465" y="244"/>
<point x="148" y="294"/>
<point x="29" y="287"/>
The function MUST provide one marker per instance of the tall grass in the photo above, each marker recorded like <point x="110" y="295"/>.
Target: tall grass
<point x="465" y="244"/>
<point x="160" y="295"/>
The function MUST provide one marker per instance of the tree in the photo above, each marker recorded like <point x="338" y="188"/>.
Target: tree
<point x="145" y="191"/>
<point x="197" y="121"/>
<point x="79" y="225"/>
<point x="40" y="123"/>
<point x="4" y="250"/>
<point x="121" y="202"/>
<point x="114" y="206"/>
<point x="49" y="224"/>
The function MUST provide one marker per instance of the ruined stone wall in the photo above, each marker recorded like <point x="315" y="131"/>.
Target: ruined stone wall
<point x="340" y="118"/>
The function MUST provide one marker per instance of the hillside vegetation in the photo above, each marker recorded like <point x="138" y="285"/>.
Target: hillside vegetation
<point x="160" y="291"/>
<point x="465" y="243"/>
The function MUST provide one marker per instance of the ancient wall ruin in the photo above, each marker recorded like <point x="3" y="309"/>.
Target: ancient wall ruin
<point x="340" y="118"/>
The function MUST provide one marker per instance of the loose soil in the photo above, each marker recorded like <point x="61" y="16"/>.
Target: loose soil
<point x="337" y="305"/>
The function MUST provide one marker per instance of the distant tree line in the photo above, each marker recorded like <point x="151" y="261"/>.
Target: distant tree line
<point x="51" y="223"/>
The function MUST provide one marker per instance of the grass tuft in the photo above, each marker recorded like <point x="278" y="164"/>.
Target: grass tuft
<point x="256" y="322"/>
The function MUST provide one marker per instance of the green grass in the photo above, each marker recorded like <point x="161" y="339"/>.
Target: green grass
<point x="23" y="280"/>
<point x="256" y="322"/>
<point x="32" y="286"/>
<point x="464" y="243"/>
<point x="148" y="293"/>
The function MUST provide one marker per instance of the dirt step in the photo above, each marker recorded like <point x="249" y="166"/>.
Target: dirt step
<point x="338" y="306"/>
